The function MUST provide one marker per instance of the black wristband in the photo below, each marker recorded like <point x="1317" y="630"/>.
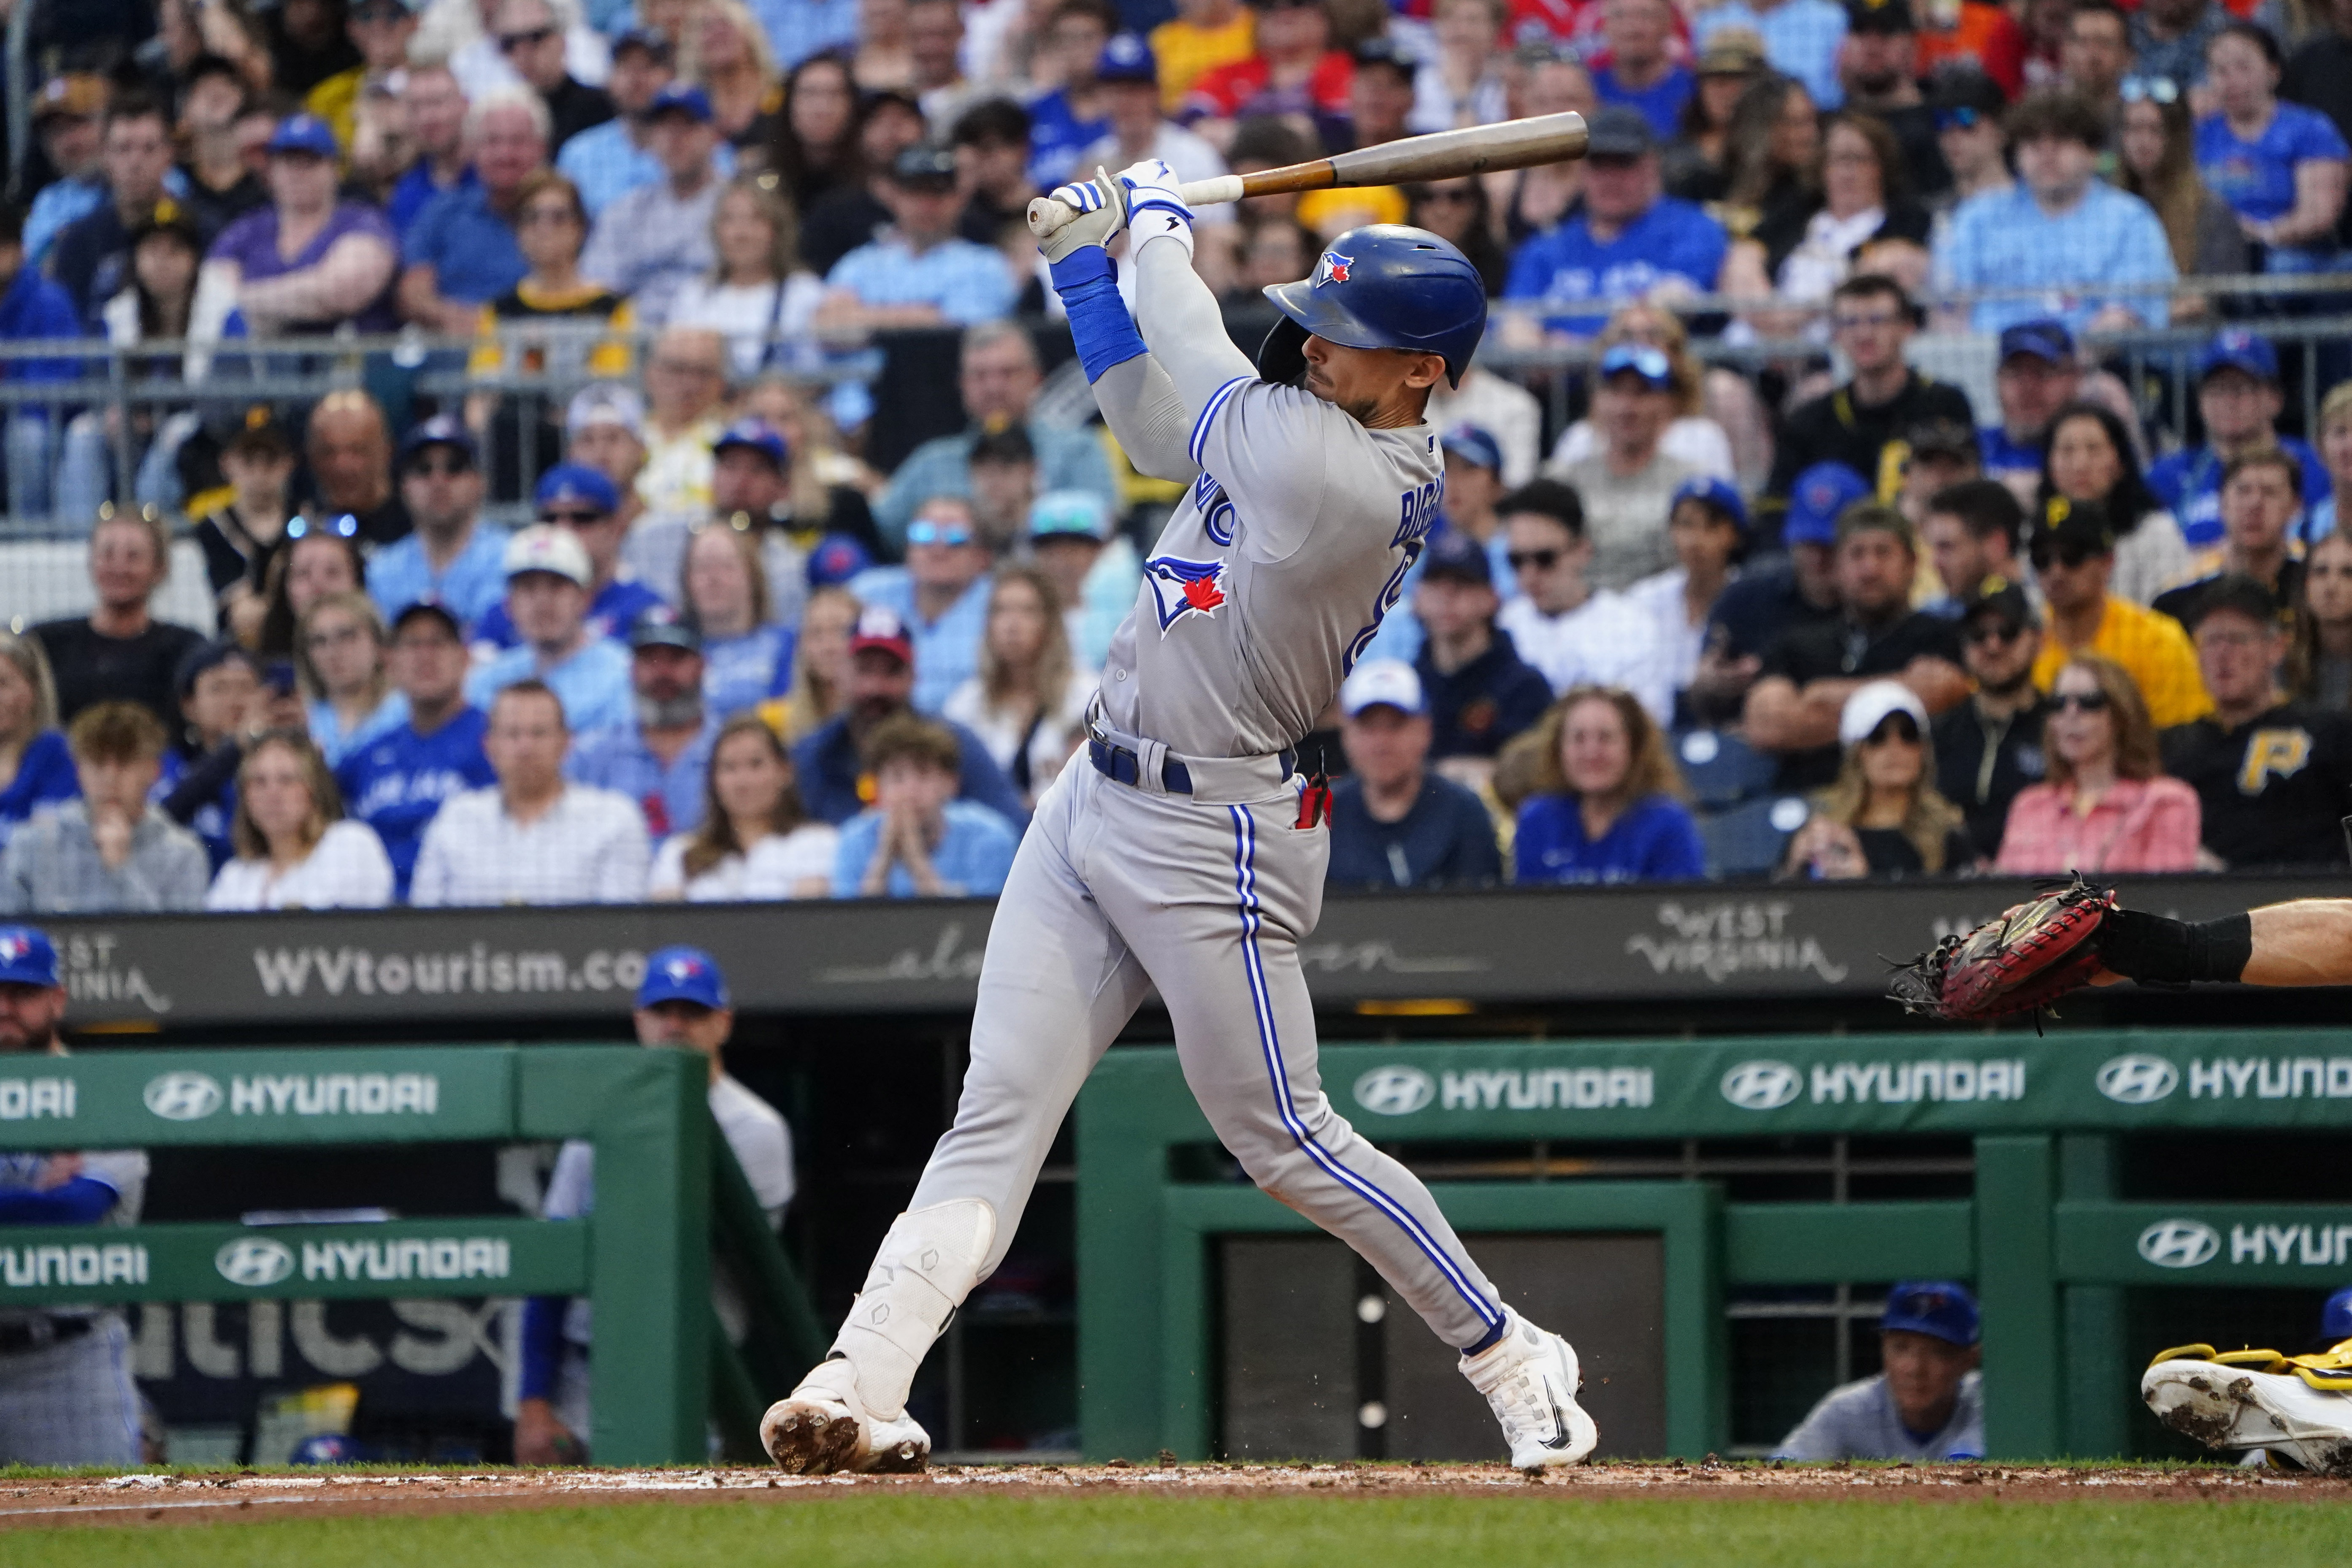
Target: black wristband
<point x="2161" y="952"/>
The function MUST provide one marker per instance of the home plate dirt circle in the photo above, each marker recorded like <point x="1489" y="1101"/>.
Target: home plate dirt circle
<point x="143" y="1498"/>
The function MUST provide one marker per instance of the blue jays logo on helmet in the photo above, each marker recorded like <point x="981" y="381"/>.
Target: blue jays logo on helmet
<point x="1184" y="587"/>
<point x="1332" y="268"/>
<point x="681" y="970"/>
<point x="13" y="947"/>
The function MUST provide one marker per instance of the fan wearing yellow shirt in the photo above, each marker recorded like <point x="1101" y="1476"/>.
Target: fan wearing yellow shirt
<point x="1379" y="97"/>
<point x="1206" y="34"/>
<point x="2073" y="547"/>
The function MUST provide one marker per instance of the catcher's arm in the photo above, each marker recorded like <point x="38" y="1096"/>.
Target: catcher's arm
<point x="2306" y="943"/>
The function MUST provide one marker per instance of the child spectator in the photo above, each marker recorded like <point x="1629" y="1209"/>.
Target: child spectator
<point x="1883" y="816"/>
<point x="918" y="840"/>
<point x="1027" y="702"/>
<point x="294" y="848"/>
<point x="397" y="783"/>
<point x="1604" y="808"/>
<point x="755" y="841"/>
<point x="2105" y="807"/>
<point x="112" y="851"/>
<point x="242" y="536"/>
<point x="1395" y="822"/>
<point x="35" y="766"/>
<point x="227" y="696"/>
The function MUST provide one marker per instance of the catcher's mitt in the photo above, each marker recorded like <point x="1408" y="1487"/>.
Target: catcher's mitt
<point x="2029" y="955"/>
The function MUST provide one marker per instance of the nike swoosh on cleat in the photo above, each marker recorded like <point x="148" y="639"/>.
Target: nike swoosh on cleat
<point x="1560" y="1428"/>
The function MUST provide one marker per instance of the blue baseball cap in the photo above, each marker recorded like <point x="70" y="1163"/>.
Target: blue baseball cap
<point x="682" y="97"/>
<point x="28" y="957"/>
<point x="1709" y="490"/>
<point x="304" y="133"/>
<point x="576" y="484"/>
<point x="1127" y="58"/>
<point x="1940" y="1309"/>
<point x="1820" y="493"/>
<point x="2335" y="1317"/>
<point x="1655" y="369"/>
<point x="836" y="559"/>
<point x="2045" y="340"/>
<point x="441" y="430"/>
<point x="1474" y="444"/>
<point x="682" y="975"/>
<point x="653" y="40"/>
<point x="758" y="435"/>
<point x="2238" y="349"/>
<point x="1453" y="554"/>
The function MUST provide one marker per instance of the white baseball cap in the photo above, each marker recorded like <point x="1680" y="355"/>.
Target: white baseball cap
<point x="605" y="402"/>
<point x="544" y="547"/>
<point x="1381" y="682"/>
<point x="1867" y="709"/>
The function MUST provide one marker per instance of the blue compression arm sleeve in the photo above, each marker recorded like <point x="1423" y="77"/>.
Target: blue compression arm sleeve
<point x="542" y="1344"/>
<point x="1105" y="333"/>
<point x="81" y="1201"/>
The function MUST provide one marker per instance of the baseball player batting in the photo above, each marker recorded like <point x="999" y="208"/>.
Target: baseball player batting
<point x="1189" y="855"/>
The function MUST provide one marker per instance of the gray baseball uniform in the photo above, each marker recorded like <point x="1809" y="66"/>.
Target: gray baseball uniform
<point x="1269" y="578"/>
<point x="70" y="1401"/>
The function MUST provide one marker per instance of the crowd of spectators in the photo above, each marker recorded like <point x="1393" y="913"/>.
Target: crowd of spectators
<point x="707" y="628"/>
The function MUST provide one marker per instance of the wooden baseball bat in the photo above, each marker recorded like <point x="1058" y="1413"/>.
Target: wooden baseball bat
<point x="1441" y="155"/>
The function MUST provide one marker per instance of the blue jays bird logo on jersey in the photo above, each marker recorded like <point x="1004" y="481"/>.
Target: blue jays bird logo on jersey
<point x="1332" y="269"/>
<point x="1184" y="587"/>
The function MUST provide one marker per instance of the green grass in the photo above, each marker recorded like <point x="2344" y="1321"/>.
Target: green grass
<point x="1516" y="1530"/>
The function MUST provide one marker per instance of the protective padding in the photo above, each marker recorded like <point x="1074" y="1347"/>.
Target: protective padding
<point x="925" y="1266"/>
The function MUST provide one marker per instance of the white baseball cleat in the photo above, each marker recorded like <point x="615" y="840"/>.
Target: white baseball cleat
<point x="821" y="1427"/>
<point x="1530" y="1379"/>
<point x="2239" y="1400"/>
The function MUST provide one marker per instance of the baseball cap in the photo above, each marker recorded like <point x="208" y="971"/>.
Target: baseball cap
<point x="28" y="957"/>
<point x="1618" y="131"/>
<point x="305" y="134"/>
<point x="2045" y="340"/>
<point x="1963" y="87"/>
<point x="1382" y="683"/>
<point x="1127" y="58"/>
<point x="441" y="430"/>
<point x="168" y="215"/>
<point x="681" y="98"/>
<point x="1879" y="17"/>
<point x="1657" y="370"/>
<point x="1381" y="50"/>
<point x="1731" y="51"/>
<point x="1820" y="493"/>
<point x="208" y="656"/>
<point x="2335" y="1317"/>
<point x="2234" y="591"/>
<point x="1941" y="1308"/>
<point x="1869" y="706"/>
<point x="758" y="435"/>
<point x="80" y="95"/>
<point x="880" y="627"/>
<point x="1709" y="490"/>
<point x="1456" y="557"/>
<point x="1940" y="435"/>
<point x="1474" y="444"/>
<point x="653" y="40"/>
<point x="836" y="559"/>
<point x="682" y="975"/>
<point x="1069" y="513"/>
<point x="430" y="605"/>
<point x="661" y="627"/>
<point x="1997" y="595"/>
<point x="544" y="547"/>
<point x="576" y="484"/>
<point x="605" y="402"/>
<point x="921" y="163"/>
<point x="258" y="429"/>
<point x="2084" y="524"/>
<point x="2238" y="349"/>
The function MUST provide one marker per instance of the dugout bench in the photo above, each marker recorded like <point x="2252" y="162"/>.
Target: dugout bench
<point x="668" y="1191"/>
<point x="2042" y="1236"/>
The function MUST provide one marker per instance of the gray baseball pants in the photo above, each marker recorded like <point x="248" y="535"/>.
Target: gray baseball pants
<point x="72" y="1403"/>
<point x="1115" y="890"/>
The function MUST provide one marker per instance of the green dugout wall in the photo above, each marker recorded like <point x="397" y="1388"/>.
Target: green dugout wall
<point x="2043" y="1238"/>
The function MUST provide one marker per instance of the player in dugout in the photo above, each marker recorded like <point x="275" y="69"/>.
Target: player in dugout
<point x="1926" y="1405"/>
<point x="683" y="1001"/>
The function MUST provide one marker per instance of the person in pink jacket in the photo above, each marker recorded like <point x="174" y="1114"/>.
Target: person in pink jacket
<point x="2105" y="805"/>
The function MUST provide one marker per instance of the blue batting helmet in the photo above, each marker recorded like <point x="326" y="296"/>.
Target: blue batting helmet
<point x="1384" y="286"/>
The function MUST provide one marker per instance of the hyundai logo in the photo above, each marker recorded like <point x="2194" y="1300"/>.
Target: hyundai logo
<point x="182" y="1095"/>
<point x="254" y="1261"/>
<point x="1762" y="1086"/>
<point x="2137" y="1080"/>
<point x="1394" y="1091"/>
<point x="2179" y="1243"/>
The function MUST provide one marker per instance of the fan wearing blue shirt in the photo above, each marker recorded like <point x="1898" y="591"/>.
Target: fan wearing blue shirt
<point x="916" y="840"/>
<point x="547" y="595"/>
<point x="1641" y="73"/>
<point x="451" y="556"/>
<point x="1631" y="240"/>
<point x="397" y="783"/>
<point x="1604" y="810"/>
<point x="2281" y="166"/>
<point x="576" y="497"/>
<point x="1394" y="824"/>
<point x="2240" y="398"/>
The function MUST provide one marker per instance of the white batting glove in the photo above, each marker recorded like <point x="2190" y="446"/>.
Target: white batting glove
<point x="1155" y="203"/>
<point x="1100" y="216"/>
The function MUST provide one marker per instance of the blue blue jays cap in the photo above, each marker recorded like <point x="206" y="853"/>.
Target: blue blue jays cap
<point x="2335" y="1317"/>
<point x="306" y="134"/>
<point x="441" y="430"/>
<point x="661" y="627"/>
<point x="2238" y="349"/>
<point x="1454" y="555"/>
<point x="836" y="559"/>
<point x="758" y="435"/>
<point x="1710" y="491"/>
<point x="2045" y="339"/>
<point x="1940" y="1309"/>
<point x="1127" y="58"/>
<point x="682" y="975"/>
<point x="28" y="957"/>
<point x="1820" y="493"/>
<point x="681" y="98"/>
<point x="1474" y="444"/>
<point x="576" y="484"/>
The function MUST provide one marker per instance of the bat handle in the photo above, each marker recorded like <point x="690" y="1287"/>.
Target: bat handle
<point x="1049" y="217"/>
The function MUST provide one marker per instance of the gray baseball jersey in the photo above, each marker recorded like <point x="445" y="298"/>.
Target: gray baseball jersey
<point x="1273" y="574"/>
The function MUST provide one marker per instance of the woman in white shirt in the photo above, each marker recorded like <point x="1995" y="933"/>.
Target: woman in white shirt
<point x="758" y="292"/>
<point x="1027" y="704"/>
<point x="339" y="651"/>
<point x="756" y="841"/>
<point x="294" y="850"/>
